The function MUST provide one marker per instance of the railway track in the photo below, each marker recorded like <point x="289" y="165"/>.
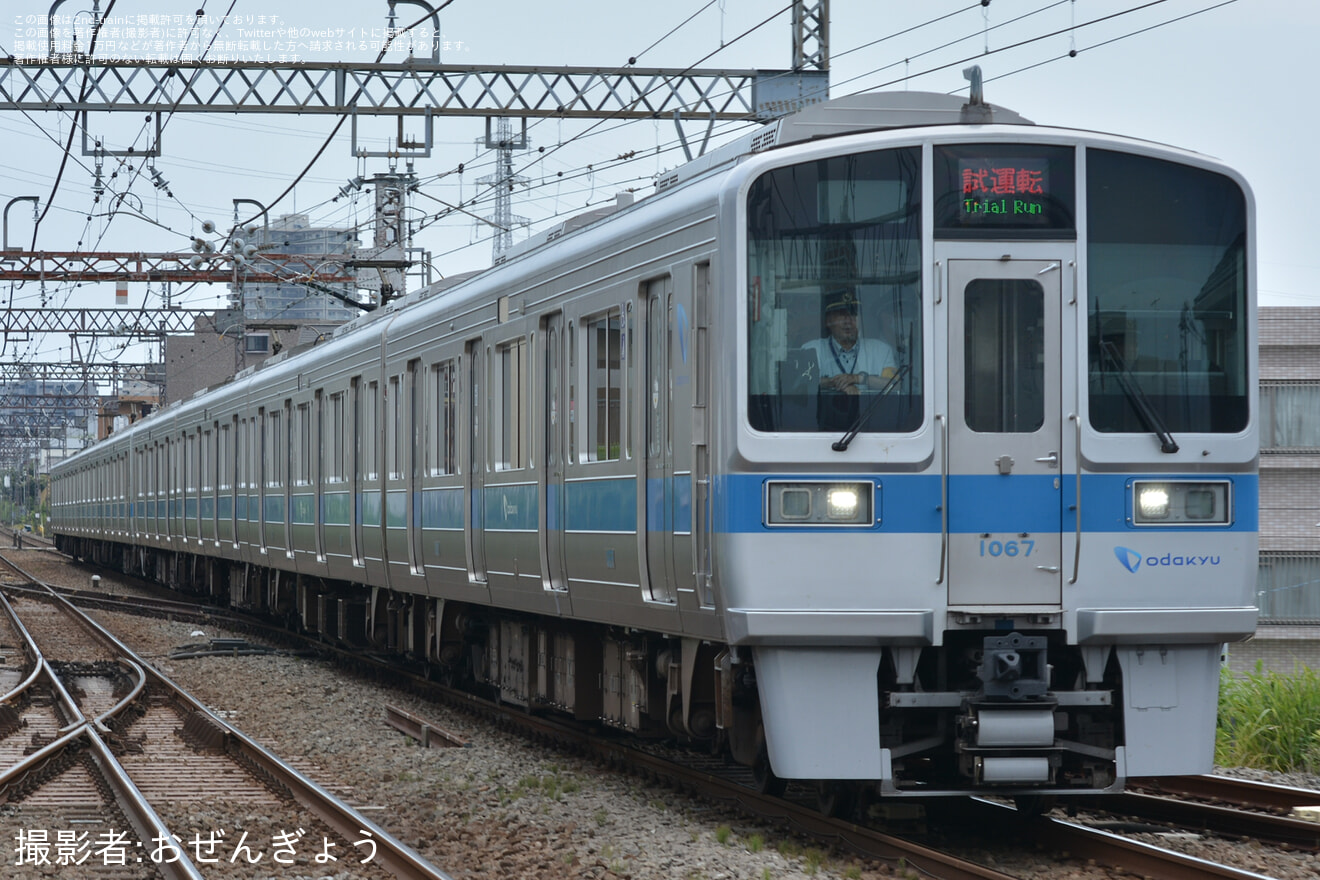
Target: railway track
<point x="1231" y="808"/>
<point x="19" y="539"/>
<point x="728" y="788"/>
<point x="122" y="765"/>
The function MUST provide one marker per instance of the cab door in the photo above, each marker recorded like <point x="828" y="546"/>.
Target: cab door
<point x="1005" y="504"/>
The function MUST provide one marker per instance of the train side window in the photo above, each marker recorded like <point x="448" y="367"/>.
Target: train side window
<point x="514" y="426"/>
<point x="604" y="338"/>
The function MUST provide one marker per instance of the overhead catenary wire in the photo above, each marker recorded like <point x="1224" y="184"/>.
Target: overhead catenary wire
<point x="482" y="198"/>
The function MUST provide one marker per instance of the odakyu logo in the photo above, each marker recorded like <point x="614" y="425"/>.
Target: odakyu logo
<point x="1132" y="560"/>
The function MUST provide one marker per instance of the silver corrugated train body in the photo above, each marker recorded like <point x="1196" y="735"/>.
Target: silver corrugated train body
<point x="901" y="445"/>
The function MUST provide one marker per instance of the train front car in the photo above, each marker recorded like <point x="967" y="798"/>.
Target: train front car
<point x="990" y="510"/>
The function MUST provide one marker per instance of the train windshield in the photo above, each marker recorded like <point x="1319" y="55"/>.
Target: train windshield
<point x="833" y="306"/>
<point x="1167" y="281"/>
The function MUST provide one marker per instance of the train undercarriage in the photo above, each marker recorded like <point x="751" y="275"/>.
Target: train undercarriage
<point x="1017" y="712"/>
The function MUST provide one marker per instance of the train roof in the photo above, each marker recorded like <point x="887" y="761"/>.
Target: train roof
<point x="872" y="111"/>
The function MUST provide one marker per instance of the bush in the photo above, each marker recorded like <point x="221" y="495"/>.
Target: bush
<point x="1269" y="721"/>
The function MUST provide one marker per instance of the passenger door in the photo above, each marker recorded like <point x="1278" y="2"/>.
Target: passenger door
<point x="475" y="483"/>
<point x="657" y="500"/>
<point x="1005" y="449"/>
<point x="552" y="495"/>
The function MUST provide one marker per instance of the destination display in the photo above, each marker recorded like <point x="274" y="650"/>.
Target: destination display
<point x="1019" y="190"/>
<point x="1017" y="187"/>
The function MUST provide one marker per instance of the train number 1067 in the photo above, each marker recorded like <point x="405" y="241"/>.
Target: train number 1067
<point x="1007" y="548"/>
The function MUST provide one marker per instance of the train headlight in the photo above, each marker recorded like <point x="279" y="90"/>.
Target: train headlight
<point x="1153" y="502"/>
<point x="807" y="503"/>
<point x="1181" y="502"/>
<point x="841" y="503"/>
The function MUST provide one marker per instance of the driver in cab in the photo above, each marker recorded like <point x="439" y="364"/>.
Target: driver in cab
<point x="850" y="363"/>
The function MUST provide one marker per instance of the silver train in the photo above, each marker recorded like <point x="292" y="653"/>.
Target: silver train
<point x="903" y="445"/>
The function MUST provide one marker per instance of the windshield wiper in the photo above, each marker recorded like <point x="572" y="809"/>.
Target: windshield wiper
<point x="1109" y="357"/>
<point x="841" y="445"/>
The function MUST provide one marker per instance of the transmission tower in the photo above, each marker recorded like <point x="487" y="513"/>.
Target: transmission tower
<point x="503" y="181"/>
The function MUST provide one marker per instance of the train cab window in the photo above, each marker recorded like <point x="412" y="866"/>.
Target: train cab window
<point x="1167" y="295"/>
<point x="834" y="295"/>
<point x="604" y="338"/>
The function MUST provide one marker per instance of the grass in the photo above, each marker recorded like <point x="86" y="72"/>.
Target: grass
<point x="1269" y="721"/>
<point x="553" y="786"/>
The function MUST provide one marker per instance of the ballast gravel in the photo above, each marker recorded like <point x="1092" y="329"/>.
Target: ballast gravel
<point x="504" y="807"/>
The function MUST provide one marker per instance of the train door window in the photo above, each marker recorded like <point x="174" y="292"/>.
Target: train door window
<point x="445" y="383"/>
<point x="571" y="339"/>
<point x="274" y="455"/>
<point x="216" y="466"/>
<point x="393" y="440"/>
<point x="334" y="441"/>
<point x="159" y="473"/>
<point x="222" y="442"/>
<point x="242" y="467"/>
<point x="513" y="430"/>
<point x="657" y="390"/>
<point x="194" y="468"/>
<point x="1004" y="362"/>
<point x="319" y="440"/>
<point x="139" y="484"/>
<point x="415" y="405"/>
<point x="251" y="465"/>
<point x="604" y="342"/>
<point x="367" y="436"/>
<point x="302" y="446"/>
<point x="629" y="379"/>
<point x="552" y="379"/>
<point x="206" y="463"/>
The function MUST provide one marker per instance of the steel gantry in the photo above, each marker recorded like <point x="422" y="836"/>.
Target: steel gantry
<point x="413" y="88"/>
<point x="77" y="84"/>
<point x="268" y="268"/>
<point x="52" y="372"/>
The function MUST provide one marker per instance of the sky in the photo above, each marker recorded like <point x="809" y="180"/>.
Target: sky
<point x="1231" y="80"/>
